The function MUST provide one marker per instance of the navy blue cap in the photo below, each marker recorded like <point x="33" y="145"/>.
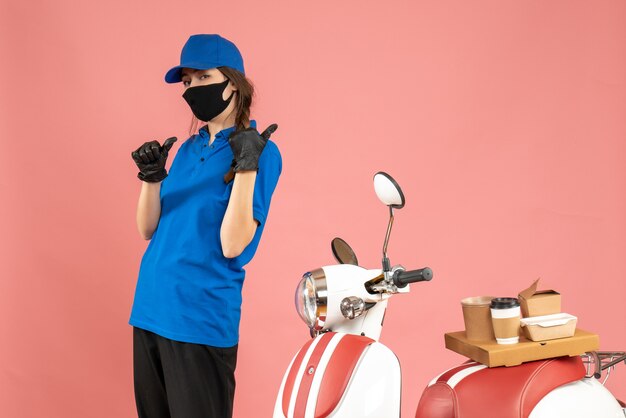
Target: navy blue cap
<point x="203" y="52"/>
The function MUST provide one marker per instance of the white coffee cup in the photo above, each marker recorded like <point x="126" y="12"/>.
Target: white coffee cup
<point x="505" y="317"/>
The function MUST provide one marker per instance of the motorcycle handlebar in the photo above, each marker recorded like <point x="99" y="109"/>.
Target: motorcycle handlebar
<point x="402" y="278"/>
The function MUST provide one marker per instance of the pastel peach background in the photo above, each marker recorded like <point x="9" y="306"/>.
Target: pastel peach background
<point x="504" y="122"/>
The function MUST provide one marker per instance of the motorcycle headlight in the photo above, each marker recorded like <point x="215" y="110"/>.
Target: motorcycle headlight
<point x="311" y="299"/>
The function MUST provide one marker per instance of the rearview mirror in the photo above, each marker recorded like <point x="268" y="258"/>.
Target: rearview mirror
<point x="343" y="252"/>
<point x="388" y="191"/>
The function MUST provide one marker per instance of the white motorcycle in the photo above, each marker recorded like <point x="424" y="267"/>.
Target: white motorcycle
<point x="345" y="372"/>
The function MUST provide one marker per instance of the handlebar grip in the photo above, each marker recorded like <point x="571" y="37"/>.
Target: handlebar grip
<point x="402" y="278"/>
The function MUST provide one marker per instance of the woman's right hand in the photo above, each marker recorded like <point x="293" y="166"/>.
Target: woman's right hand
<point x="150" y="159"/>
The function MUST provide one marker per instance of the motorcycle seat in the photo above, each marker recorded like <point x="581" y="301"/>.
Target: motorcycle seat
<point x="473" y="390"/>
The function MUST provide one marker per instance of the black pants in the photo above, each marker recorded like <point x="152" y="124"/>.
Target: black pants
<point x="174" y="379"/>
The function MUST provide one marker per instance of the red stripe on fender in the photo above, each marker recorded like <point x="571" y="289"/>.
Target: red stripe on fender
<point x="291" y="377"/>
<point x="338" y="373"/>
<point x="447" y="375"/>
<point x="307" y="378"/>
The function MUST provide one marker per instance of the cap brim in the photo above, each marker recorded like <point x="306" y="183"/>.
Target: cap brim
<point x="174" y="76"/>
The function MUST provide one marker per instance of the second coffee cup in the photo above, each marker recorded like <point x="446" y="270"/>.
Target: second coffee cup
<point x="477" y="318"/>
<point x="505" y="317"/>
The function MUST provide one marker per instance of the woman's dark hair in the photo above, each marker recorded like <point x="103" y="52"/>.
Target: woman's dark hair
<point x="243" y="99"/>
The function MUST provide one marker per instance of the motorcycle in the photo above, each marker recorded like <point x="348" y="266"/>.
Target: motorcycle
<point x="344" y="371"/>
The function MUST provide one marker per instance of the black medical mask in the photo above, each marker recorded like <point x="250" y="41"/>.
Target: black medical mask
<point x="206" y="101"/>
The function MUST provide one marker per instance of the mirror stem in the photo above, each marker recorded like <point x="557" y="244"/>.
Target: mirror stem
<point x="386" y="266"/>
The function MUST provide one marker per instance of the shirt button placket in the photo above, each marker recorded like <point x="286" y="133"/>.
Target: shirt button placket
<point x="211" y="147"/>
<point x="205" y="151"/>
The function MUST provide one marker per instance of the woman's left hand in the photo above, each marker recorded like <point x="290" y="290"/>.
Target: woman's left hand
<point x="247" y="146"/>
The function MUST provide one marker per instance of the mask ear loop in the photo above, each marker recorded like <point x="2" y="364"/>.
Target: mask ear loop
<point x="232" y="92"/>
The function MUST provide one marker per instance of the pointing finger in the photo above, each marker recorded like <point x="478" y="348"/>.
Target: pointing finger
<point x="169" y="142"/>
<point x="269" y="131"/>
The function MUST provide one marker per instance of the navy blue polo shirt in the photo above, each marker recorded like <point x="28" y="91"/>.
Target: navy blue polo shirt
<point x="187" y="290"/>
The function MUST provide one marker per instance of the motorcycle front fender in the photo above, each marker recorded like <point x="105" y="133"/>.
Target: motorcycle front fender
<point x="342" y="376"/>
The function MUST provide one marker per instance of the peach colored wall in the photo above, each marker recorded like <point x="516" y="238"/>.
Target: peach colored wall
<point x="504" y="121"/>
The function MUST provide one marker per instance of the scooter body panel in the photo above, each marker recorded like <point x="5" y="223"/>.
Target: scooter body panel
<point x="317" y="389"/>
<point x="345" y="280"/>
<point x="581" y="399"/>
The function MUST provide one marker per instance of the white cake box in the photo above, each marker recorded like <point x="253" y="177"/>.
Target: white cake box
<point x="549" y="327"/>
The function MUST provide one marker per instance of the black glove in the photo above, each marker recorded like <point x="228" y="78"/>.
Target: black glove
<point x="150" y="158"/>
<point x="247" y="146"/>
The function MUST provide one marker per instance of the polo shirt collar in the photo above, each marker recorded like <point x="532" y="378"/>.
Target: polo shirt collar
<point x="224" y="133"/>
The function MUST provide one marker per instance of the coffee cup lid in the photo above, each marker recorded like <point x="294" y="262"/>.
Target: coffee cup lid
<point x="504" y="303"/>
